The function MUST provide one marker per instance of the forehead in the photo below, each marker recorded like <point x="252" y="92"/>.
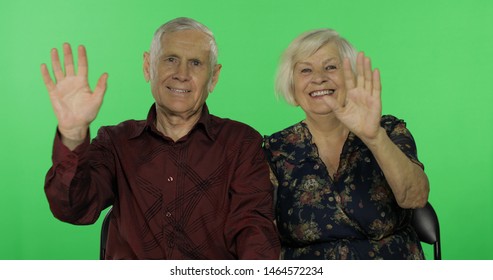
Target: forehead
<point x="326" y="52"/>
<point x="191" y="43"/>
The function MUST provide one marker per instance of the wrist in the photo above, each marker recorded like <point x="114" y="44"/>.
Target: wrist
<point x="377" y="141"/>
<point x="74" y="133"/>
<point x="72" y="138"/>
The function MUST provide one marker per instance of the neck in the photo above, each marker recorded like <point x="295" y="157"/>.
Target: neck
<point x="176" y="126"/>
<point x="326" y="128"/>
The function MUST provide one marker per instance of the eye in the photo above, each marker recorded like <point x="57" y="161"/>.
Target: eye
<point x="330" y="67"/>
<point x="171" y="59"/>
<point x="306" y="70"/>
<point x="196" y="62"/>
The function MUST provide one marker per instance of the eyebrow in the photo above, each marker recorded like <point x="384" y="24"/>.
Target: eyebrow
<point x="323" y="62"/>
<point x="165" y="55"/>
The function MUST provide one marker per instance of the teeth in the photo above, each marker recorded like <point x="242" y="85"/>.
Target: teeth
<point x="178" y="90"/>
<point x="322" y="92"/>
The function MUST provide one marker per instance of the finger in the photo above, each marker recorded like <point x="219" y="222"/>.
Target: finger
<point x="368" y="74"/>
<point x="50" y="86"/>
<point x="333" y="103"/>
<point x="360" y="78"/>
<point x="377" y="85"/>
<point x="348" y="73"/>
<point x="55" y="64"/>
<point x="68" y="60"/>
<point x="101" y="86"/>
<point x="82" y="63"/>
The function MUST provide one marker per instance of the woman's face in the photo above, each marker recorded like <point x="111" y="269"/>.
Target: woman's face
<point x="317" y="77"/>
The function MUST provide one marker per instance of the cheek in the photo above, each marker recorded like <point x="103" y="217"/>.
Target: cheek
<point x="338" y="78"/>
<point x="154" y="83"/>
<point x="340" y="82"/>
<point x="201" y="80"/>
<point x="164" y="70"/>
<point x="300" y="85"/>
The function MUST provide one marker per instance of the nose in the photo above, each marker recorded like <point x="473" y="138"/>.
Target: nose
<point x="320" y="77"/>
<point x="182" y="72"/>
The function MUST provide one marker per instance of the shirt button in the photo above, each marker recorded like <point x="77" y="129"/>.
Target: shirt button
<point x="168" y="214"/>
<point x="170" y="179"/>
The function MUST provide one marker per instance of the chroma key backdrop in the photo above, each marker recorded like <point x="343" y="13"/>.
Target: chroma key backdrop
<point x="435" y="59"/>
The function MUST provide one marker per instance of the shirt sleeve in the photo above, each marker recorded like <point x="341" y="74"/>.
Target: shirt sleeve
<point x="78" y="185"/>
<point x="402" y="137"/>
<point x="250" y="225"/>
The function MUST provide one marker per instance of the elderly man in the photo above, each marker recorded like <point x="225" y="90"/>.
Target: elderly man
<point x="184" y="184"/>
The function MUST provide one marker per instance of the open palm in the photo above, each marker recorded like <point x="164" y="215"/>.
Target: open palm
<point x="361" y="112"/>
<point x="74" y="104"/>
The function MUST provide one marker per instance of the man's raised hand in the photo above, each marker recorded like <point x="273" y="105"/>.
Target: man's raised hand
<point x="74" y="103"/>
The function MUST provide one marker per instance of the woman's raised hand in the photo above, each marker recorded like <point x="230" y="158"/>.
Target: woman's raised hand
<point x="362" y="109"/>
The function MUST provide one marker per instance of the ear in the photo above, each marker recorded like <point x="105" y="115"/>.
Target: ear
<point x="215" y="77"/>
<point x="146" y="67"/>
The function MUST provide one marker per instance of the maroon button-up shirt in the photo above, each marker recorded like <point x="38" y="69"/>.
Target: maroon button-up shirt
<point x="206" y="196"/>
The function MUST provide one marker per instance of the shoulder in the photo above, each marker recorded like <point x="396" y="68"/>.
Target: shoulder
<point x="287" y="134"/>
<point x="390" y="120"/>
<point x="397" y="131"/>
<point x="123" y="130"/>
<point x="225" y="125"/>
<point x="292" y="144"/>
<point x="291" y="134"/>
<point x="391" y="123"/>
<point x="224" y="128"/>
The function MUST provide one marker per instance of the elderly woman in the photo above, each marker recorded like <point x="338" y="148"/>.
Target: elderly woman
<point x="346" y="176"/>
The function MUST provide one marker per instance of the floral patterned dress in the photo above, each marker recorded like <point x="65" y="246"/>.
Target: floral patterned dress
<point x="352" y="216"/>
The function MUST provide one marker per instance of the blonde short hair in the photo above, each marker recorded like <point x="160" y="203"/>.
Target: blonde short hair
<point x="302" y="47"/>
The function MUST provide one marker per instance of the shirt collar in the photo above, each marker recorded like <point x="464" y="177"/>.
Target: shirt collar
<point x="204" y="122"/>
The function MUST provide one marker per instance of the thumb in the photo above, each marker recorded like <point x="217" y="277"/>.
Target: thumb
<point x="101" y="85"/>
<point x="333" y="103"/>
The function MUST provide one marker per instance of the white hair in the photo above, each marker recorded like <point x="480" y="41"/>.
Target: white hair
<point x="302" y="47"/>
<point x="179" y="24"/>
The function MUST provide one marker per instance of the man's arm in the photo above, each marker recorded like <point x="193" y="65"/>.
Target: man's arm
<point x="71" y="186"/>
<point x="79" y="184"/>
<point x="250" y="228"/>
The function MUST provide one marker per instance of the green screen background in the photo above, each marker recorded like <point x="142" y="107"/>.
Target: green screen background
<point x="434" y="56"/>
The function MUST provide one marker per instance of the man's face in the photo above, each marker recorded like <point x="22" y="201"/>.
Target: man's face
<point x="183" y="75"/>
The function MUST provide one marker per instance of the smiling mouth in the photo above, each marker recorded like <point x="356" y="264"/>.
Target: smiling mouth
<point x="322" y="92"/>
<point x="177" y="90"/>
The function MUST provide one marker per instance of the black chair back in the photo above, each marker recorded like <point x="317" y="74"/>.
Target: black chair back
<point x="425" y="222"/>
<point x="104" y="235"/>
